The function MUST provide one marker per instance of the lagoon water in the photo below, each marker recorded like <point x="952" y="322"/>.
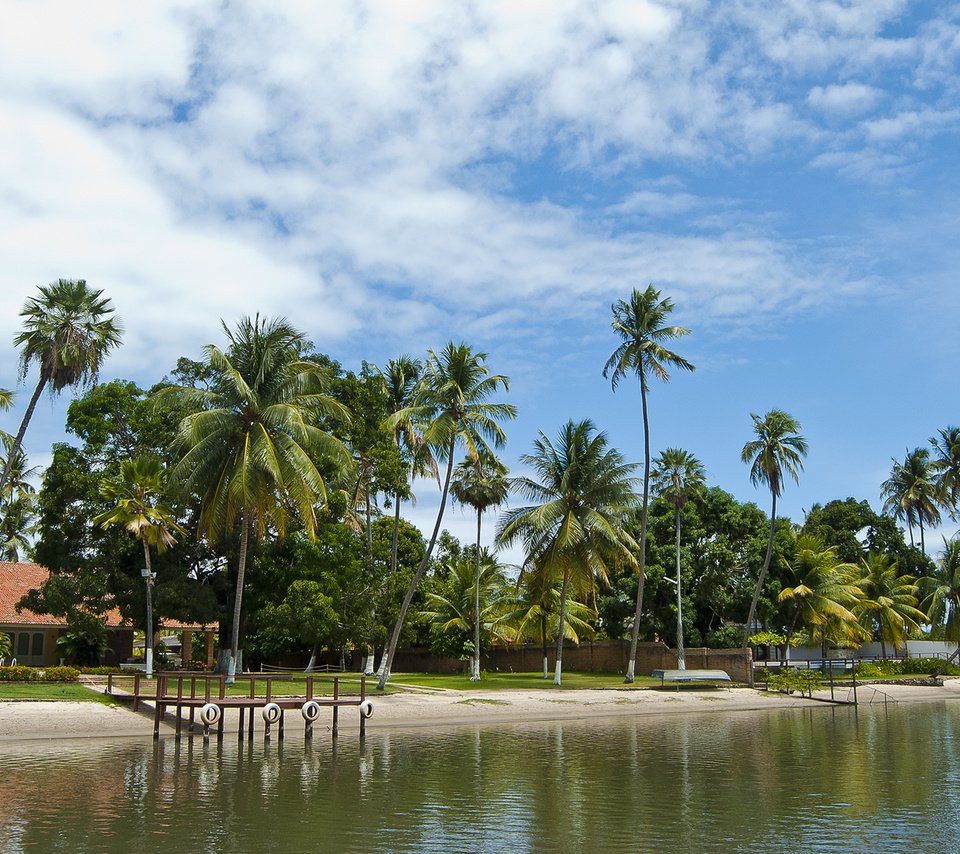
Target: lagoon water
<point x="873" y="779"/>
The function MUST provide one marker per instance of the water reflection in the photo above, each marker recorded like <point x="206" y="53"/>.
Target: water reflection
<point x="877" y="779"/>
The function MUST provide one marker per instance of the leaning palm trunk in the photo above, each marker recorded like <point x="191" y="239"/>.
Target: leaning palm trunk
<point x="18" y="439"/>
<point x="391" y="650"/>
<point x="563" y="619"/>
<point x="641" y="576"/>
<point x="763" y="576"/>
<point x="241" y="569"/>
<point x="681" y="656"/>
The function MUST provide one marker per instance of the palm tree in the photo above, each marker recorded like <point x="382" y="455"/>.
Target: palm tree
<point x="947" y="468"/>
<point x="251" y="448"/>
<point x="137" y="506"/>
<point x="677" y="476"/>
<point x="576" y="529"/>
<point x="18" y="522"/>
<point x="910" y="493"/>
<point x="468" y="599"/>
<point x="889" y="601"/>
<point x="942" y="592"/>
<point x="67" y="330"/>
<point x="536" y="608"/>
<point x="779" y="449"/>
<point x="451" y="405"/>
<point x="640" y="325"/>
<point x="821" y="592"/>
<point x="480" y="483"/>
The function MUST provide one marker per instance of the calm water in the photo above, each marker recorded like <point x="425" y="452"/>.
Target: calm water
<point x="826" y="779"/>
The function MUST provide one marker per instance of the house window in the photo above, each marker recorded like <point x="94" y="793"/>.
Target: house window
<point x="37" y="646"/>
<point x="23" y="644"/>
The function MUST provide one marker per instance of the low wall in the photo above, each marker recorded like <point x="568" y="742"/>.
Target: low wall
<point x="588" y="657"/>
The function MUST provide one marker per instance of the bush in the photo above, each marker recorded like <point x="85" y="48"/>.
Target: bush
<point x="102" y="671"/>
<point x="60" y="674"/>
<point x="20" y="673"/>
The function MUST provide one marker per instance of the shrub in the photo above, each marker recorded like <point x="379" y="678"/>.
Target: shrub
<point x="20" y="673"/>
<point x="60" y="674"/>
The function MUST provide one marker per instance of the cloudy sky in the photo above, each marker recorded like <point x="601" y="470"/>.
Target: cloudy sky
<point x="394" y="175"/>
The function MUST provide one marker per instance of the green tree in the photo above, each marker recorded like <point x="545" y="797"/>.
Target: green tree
<point x="576" y="529"/>
<point x="946" y="467"/>
<point x="67" y="330"/>
<point x="909" y="493"/>
<point x="888" y="608"/>
<point x="451" y="405"/>
<point x="455" y="608"/>
<point x="480" y="483"/>
<point x="137" y="507"/>
<point x="820" y="593"/>
<point x="251" y="448"/>
<point x="778" y="450"/>
<point x="640" y="324"/>
<point x="678" y="476"/>
<point x="941" y="593"/>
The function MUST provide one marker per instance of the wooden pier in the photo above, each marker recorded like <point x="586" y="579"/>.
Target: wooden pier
<point x="193" y="691"/>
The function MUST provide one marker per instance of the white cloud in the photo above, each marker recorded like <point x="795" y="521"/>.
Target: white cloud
<point x="843" y="99"/>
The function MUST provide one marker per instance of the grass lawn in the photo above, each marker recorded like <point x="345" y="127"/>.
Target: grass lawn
<point x="52" y="691"/>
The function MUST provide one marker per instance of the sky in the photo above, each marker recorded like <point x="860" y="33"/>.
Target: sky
<point x="392" y="176"/>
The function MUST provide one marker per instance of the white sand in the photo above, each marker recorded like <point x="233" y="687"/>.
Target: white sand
<point x="46" y="720"/>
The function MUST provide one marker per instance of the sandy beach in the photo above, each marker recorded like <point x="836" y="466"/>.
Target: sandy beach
<point x="25" y="720"/>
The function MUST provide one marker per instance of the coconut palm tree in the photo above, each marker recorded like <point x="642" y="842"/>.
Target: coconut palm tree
<point x="777" y="451"/>
<point x="820" y="593"/>
<point x="941" y="592"/>
<point x="451" y="406"/>
<point x="67" y="330"/>
<point x="889" y="603"/>
<point x="677" y="476"/>
<point x="640" y="324"/>
<point x="18" y="522"/>
<point x="910" y="493"/>
<point x="480" y="483"/>
<point x="251" y="448"/>
<point x="536" y="608"/>
<point x="467" y="599"/>
<point x="946" y="466"/>
<point x="576" y="529"/>
<point x="136" y="497"/>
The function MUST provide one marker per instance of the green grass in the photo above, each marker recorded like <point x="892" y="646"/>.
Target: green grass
<point x="52" y="691"/>
<point x="522" y="681"/>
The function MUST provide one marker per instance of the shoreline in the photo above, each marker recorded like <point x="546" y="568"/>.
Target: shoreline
<point x="29" y="720"/>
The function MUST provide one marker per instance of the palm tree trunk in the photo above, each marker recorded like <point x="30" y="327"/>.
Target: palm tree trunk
<point x="313" y="657"/>
<point x="763" y="575"/>
<point x="563" y="619"/>
<point x="18" y="440"/>
<point x="923" y="546"/>
<point x="394" y="542"/>
<point x="395" y="637"/>
<point x="241" y="570"/>
<point x="642" y="576"/>
<point x="148" y="635"/>
<point x="543" y="640"/>
<point x="475" y="677"/>
<point x="681" y="657"/>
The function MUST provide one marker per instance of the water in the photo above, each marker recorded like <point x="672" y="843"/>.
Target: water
<point x="825" y="779"/>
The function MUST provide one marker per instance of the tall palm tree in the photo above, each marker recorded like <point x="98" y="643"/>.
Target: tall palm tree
<point x="251" y="448"/>
<point x="677" y="476"/>
<point x="136" y="496"/>
<point x="910" y="493"/>
<point x="451" y="405"/>
<point x="777" y="451"/>
<point x="942" y="592"/>
<point x="820" y="592"/>
<point x="641" y="325"/>
<point x="575" y="530"/>
<point x="480" y="483"/>
<point x="889" y="603"/>
<point x="18" y="522"/>
<point x="67" y="330"/>
<point x="946" y="466"/>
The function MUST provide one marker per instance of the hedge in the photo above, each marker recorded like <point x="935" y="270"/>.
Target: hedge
<point x="21" y="673"/>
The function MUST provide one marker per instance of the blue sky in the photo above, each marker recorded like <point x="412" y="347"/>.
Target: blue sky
<point x="394" y="175"/>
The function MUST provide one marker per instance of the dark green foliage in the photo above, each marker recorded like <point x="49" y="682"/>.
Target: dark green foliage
<point x="907" y="667"/>
<point x="85" y="641"/>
